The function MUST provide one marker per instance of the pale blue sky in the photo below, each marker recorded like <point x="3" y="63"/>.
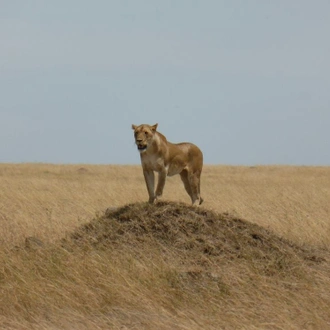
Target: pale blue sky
<point x="248" y="81"/>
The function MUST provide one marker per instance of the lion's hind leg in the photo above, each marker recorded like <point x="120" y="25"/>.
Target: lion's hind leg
<point x="201" y="200"/>
<point x="194" y="181"/>
<point x="186" y="183"/>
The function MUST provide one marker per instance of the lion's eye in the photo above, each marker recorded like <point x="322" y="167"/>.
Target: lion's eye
<point x="146" y="133"/>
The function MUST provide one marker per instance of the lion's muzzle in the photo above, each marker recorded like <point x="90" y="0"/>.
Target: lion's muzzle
<point x="141" y="146"/>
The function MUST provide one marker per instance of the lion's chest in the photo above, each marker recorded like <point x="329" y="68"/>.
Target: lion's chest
<point x="153" y="162"/>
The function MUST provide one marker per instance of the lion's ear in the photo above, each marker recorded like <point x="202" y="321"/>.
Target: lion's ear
<point x="154" y="127"/>
<point x="134" y="127"/>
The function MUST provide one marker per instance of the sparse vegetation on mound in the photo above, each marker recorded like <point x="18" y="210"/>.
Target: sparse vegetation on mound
<point x="194" y="234"/>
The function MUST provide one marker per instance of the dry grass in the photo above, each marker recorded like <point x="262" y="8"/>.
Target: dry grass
<point x="168" y="266"/>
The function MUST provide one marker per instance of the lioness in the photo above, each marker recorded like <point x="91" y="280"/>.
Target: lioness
<point x="157" y="154"/>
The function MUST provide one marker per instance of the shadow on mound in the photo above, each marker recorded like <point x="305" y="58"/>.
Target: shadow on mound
<point x="187" y="231"/>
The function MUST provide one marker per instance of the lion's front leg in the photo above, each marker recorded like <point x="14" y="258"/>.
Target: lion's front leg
<point x="161" y="183"/>
<point x="149" y="177"/>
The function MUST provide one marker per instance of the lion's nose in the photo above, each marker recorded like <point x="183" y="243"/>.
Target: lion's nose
<point x="138" y="140"/>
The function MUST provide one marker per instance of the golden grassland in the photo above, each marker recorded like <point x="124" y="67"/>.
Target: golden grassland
<point x="192" y="273"/>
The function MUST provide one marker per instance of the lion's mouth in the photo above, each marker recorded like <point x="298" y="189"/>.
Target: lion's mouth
<point x="141" y="147"/>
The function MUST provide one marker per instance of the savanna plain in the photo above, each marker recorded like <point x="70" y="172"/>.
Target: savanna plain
<point x="81" y="249"/>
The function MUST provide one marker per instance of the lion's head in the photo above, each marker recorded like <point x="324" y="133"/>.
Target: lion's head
<point x="144" y="135"/>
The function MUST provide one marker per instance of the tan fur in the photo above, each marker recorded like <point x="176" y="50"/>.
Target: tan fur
<point x="166" y="158"/>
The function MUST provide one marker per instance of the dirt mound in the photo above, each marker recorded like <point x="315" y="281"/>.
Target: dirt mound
<point x="82" y="170"/>
<point x="192" y="233"/>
